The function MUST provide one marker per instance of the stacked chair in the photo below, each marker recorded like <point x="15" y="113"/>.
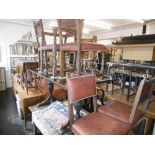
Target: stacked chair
<point x="43" y="49"/>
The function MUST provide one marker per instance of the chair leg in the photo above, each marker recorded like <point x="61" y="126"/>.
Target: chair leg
<point x="139" y="129"/>
<point x="78" y="106"/>
<point x="142" y="127"/>
<point x="112" y="88"/>
<point x="25" y="122"/>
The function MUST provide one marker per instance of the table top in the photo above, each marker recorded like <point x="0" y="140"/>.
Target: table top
<point x="130" y="65"/>
<point x="61" y="81"/>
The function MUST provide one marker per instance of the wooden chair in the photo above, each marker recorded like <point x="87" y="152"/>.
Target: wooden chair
<point x="73" y="28"/>
<point x="43" y="48"/>
<point x="94" y="123"/>
<point x="131" y="114"/>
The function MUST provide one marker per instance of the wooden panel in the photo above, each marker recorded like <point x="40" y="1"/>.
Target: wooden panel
<point x="153" y="56"/>
<point x="23" y="65"/>
<point x="139" y="53"/>
<point x="142" y="52"/>
<point x="85" y="47"/>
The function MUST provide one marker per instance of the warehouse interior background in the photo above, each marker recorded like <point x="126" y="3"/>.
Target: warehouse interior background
<point x="11" y="30"/>
<point x="18" y="21"/>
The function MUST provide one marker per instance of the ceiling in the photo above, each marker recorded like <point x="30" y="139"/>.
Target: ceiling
<point x="48" y="22"/>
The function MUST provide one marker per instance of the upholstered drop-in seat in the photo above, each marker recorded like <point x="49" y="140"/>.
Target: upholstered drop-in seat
<point x="100" y="124"/>
<point x="120" y="111"/>
<point x="86" y="46"/>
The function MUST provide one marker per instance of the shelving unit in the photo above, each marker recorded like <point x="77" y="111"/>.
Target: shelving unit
<point x="22" y="50"/>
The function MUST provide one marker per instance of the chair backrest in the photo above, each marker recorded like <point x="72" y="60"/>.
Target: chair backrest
<point x="69" y="25"/>
<point x="143" y="95"/>
<point x="79" y="88"/>
<point x="39" y="31"/>
<point x="73" y="28"/>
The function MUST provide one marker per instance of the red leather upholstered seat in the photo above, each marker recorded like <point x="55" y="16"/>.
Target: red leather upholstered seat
<point x="86" y="46"/>
<point x="100" y="124"/>
<point x="120" y="111"/>
<point x="126" y="113"/>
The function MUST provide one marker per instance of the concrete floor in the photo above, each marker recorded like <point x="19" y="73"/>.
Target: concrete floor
<point x="10" y="122"/>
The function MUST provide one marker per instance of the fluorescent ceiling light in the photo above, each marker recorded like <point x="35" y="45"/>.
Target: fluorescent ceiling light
<point x="86" y="30"/>
<point x="97" y="23"/>
<point x="138" y="20"/>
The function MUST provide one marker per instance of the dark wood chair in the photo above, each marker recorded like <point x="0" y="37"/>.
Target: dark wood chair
<point x="27" y="80"/>
<point x="43" y="47"/>
<point x="73" y="28"/>
<point x="94" y="123"/>
<point x="131" y="114"/>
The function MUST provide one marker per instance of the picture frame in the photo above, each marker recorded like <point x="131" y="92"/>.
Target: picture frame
<point x="14" y="61"/>
<point x="2" y="79"/>
<point x="0" y="54"/>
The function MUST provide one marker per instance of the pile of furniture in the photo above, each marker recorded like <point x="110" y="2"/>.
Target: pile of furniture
<point x="85" y="83"/>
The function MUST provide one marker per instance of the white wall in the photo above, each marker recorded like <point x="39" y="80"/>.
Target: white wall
<point x="10" y="33"/>
<point x="106" y="37"/>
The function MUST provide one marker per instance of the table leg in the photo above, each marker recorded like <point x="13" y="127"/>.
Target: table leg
<point x="107" y="86"/>
<point x="25" y="122"/>
<point x="129" y="89"/>
<point x="50" y="98"/>
<point x="123" y="84"/>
